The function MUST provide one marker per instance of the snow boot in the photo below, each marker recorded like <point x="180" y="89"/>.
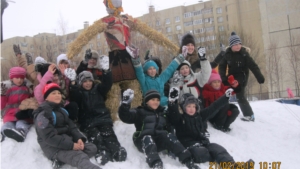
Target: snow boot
<point x="57" y="164"/>
<point x="248" y="118"/>
<point x="226" y="130"/>
<point x="120" y="155"/>
<point x="191" y="165"/>
<point x="15" y="134"/>
<point x="157" y="165"/>
<point x="103" y="157"/>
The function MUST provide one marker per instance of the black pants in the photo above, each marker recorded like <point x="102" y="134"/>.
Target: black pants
<point x="72" y="109"/>
<point x="243" y="103"/>
<point x="79" y="159"/>
<point x="222" y="118"/>
<point x="211" y="152"/>
<point x="105" y="139"/>
<point x="151" y="145"/>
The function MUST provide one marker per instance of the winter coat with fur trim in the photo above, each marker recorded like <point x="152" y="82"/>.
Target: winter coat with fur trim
<point x="54" y="137"/>
<point x="239" y="64"/>
<point x="91" y="103"/>
<point x="146" y="120"/>
<point x="11" y="101"/>
<point x="191" y="129"/>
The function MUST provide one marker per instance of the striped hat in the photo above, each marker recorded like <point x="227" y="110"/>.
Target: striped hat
<point x="234" y="39"/>
<point x="83" y="76"/>
<point x="150" y="94"/>
<point x="17" y="72"/>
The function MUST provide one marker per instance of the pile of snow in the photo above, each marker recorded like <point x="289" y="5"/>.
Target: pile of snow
<point x="273" y="137"/>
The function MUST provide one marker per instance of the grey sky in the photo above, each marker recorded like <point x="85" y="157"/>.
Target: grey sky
<point x="30" y="17"/>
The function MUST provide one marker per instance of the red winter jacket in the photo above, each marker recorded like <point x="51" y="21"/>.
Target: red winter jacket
<point x="11" y="101"/>
<point x="210" y="94"/>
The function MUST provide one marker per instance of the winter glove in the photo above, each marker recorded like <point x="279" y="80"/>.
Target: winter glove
<point x="133" y="51"/>
<point x="205" y="142"/>
<point x="88" y="55"/>
<point x="70" y="74"/>
<point x="201" y="53"/>
<point x="261" y="81"/>
<point x="17" y="50"/>
<point x="177" y="79"/>
<point x="234" y="83"/>
<point x="222" y="47"/>
<point x="3" y="89"/>
<point x="184" y="51"/>
<point x="29" y="59"/>
<point x="104" y="62"/>
<point x="24" y="114"/>
<point x="174" y="94"/>
<point x="128" y="96"/>
<point x="228" y="92"/>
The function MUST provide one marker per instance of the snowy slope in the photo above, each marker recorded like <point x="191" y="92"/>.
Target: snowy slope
<point x="273" y="137"/>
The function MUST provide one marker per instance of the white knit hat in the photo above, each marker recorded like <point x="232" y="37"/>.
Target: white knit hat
<point x="39" y="60"/>
<point x="62" y="57"/>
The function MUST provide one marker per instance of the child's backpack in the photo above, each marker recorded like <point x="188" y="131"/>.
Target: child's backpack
<point x="54" y="116"/>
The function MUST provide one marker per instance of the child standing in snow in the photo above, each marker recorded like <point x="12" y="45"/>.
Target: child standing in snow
<point x="57" y="135"/>
<point x="150" y="136"/>
<point x="13" y="127"/>
<point x="94" y="118"/>
<point x="190" y="129"/>
<point x="215" y="89"/>
<point x="148" y="74"/>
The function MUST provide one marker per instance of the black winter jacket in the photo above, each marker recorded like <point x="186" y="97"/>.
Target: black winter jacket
<point x="191" y="129"/>
<point x="60" y="136"/>
<point x="91" y="103"/>
<point x="146" y="120"/>
<point x="239" y="64"/>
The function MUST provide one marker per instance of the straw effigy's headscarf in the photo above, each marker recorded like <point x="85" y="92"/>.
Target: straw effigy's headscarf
<point x="113" y="6"/>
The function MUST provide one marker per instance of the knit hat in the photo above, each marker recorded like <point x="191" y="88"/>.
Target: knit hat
<point x="61" y="57"/>
<point x="185" y="62"/>
<point x="155" y="59"/>
<point x="50" y="87"/>
<point x="148" y="64"/>
<point x="113" y="6"/>
<point x="150" y="94"/>
<point x="234" y="39"/>
<point x="43" y="68"/>
<point x="214" y="76"/>
<point x="186" y="39"/>
<point x="39" y="60"/>
<point x="188" y="98"/>
<point x="85" y="75"/>
<point x="17" y="72"/>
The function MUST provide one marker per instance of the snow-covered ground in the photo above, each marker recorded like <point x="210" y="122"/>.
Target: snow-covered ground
<point x="273" y="137"/>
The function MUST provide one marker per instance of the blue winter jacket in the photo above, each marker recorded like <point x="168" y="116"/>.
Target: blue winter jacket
<point x="157" y="82"/>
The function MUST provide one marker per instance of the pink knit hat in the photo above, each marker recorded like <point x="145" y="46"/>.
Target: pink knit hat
<point x="17" y="72"/>
<point x="214" y="76"/>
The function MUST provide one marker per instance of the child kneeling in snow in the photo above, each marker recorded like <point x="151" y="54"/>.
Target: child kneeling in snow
<point x="190" y="129"/>
<point x="58" y="136"/>
<point x="15" y="126"/>
<point x="150" y="136"/>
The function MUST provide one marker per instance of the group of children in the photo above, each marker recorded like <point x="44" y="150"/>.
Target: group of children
<point x="67" y="101"/>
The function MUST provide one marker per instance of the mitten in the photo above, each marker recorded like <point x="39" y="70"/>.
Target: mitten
<point x="234" y="83"/>
<point x="184" y="51"/>
<point x="201" y="53"/>
<point x="104" y="62"/>
<point x="128" y="96"/>
<point x="133" y="51"/>
<point x="228" y="92"/>
<point x="174" y="94"/>
<point x="222" y="47"/>
<point x="29" y="59"/>
<point x="24" y="114"/>
<point x="177" y="79"/>
<point x="70" y="74"/>
<point x="261" y="81"/>
<point x="88" y="55"/>
<point x="3" y="89"/>
<point x="17" y="50"/>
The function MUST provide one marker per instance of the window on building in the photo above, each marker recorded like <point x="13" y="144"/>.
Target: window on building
<point x="178" y="27"/>
<point x="209" y="29"/>
<point x="168" y="29"/>
<point x="221" y="28"/>
<point x="220" y="19"/>
<point x="168" y="21"/>
<point x="177" y="19"/>
<point x="219" y="10"/>
<point x="98" y="36"/>
<point x="197" y="22"/>
<point x="98" y="44"/>
<point x="202" y="39"/>
<point x="157" y="23"/>
<point x="187" y="15"/>
<point x="31" y="47"/>
<point x="188" y="23"/>
<point x="179" y="36"/>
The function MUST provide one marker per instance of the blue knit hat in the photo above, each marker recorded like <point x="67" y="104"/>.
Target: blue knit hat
<point x="148" y="64"/>
<point x="234" y="39"/>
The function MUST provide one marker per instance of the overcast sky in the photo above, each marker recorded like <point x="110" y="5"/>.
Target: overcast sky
<point x="30" y="17"/>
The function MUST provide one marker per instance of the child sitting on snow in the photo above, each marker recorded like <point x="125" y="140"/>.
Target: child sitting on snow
<point x="150" y="136"/>
<point x="148" y="74"/>
<point x="190" y="129"/>
<point x="94" y="118"/>
<point x="58" y="136"/>
<point x="215" y="89"/>
<point x="15" y="126"/>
